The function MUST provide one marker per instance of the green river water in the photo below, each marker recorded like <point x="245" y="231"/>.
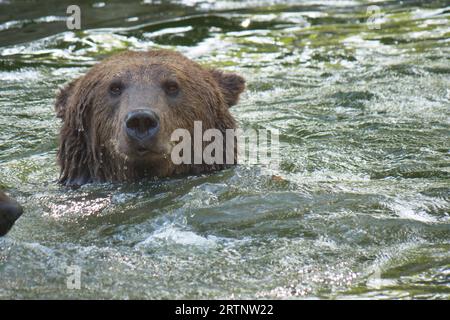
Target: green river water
<point x="363" y="111"/>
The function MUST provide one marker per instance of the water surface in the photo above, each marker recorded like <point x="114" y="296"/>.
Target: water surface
<point x="361" y="211"/>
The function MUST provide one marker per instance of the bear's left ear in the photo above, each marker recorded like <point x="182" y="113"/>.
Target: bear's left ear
<point x="62" y="97"/>
<point x="230" y="84"/>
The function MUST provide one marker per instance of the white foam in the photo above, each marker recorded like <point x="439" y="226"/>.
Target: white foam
<point x="405" y="211"/>
<point x="35" y="246"/>
<point x="20" y="76"/>
<point x="174" y="234"/>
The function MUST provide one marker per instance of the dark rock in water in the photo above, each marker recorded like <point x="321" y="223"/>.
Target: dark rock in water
<point x="10" y="211"/>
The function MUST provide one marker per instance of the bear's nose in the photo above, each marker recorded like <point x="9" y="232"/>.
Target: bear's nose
<point x="142" y="124"/>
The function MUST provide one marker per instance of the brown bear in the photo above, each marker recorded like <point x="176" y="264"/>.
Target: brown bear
<point x="10" y="211"/>
<point x="118" y="118"/>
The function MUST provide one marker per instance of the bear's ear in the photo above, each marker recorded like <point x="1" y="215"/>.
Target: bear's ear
<point x="230" y="84"/>
<point x="62" y="97"/>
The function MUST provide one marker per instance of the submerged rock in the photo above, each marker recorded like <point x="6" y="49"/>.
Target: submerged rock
<point x="10" y="211"/>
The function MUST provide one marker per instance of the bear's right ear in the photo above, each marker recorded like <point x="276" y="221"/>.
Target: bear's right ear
<point x="62" y="97"/>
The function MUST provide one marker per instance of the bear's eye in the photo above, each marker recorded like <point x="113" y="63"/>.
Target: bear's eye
<point x="171" y="88"/>
<point x="116" y="88"/>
